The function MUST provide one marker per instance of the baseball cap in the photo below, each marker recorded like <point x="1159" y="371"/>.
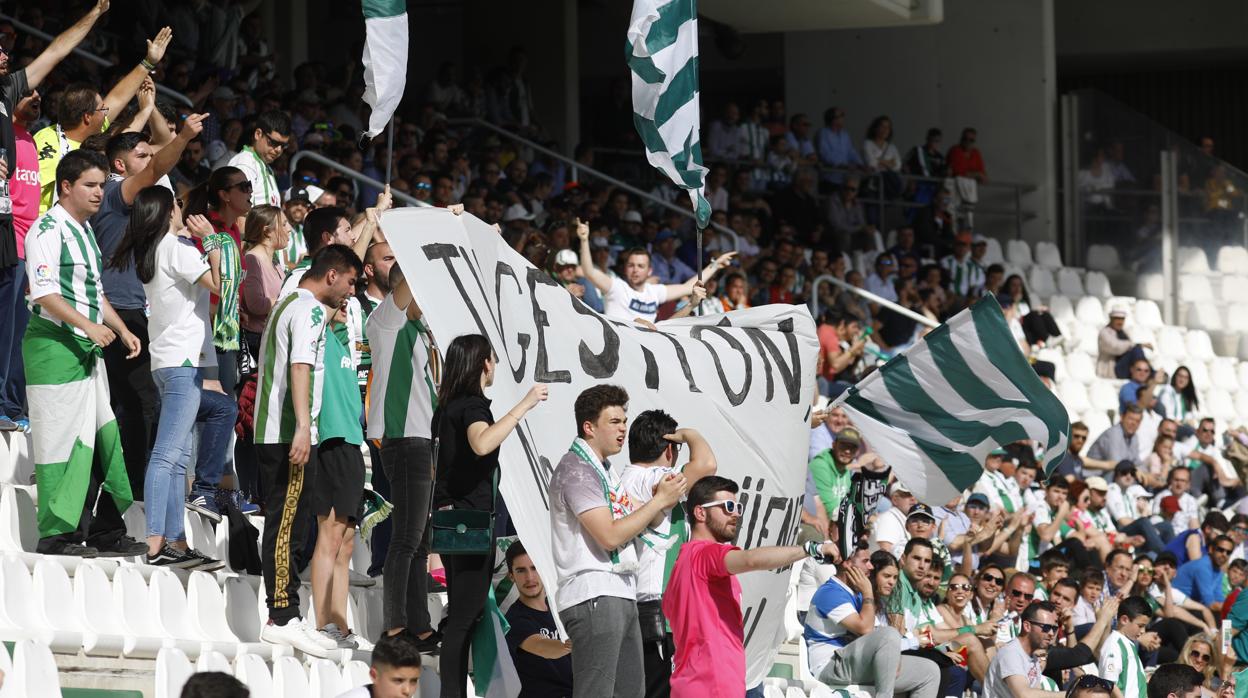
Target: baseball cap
<point x="567" y="258"/>
<point x="920" y="509"/>
<point x="964" y="237"/>
<point x="1097" y="483"/>
<point x="849" y="435"/>
<point x="979" y="240"/>
<point x="599" y="242"/>
<point x="664" y="234"/>
<point x="1169" y="504"/>
<point x="998" y="452"/>
<point x="978" y="498"/>
<point x="898" y="486"/>
<point x="517" y="212"/>
<point x="631" y="217"/>
<point x="1117" y="313"/>
<point x="299" y="194"/>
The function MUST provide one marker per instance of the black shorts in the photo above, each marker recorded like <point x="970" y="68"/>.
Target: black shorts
<point x="339" y="479"/>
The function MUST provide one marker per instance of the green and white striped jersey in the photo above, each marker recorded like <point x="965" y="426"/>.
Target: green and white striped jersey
<point x="1120" y="663"/>
<point x="402" y="396"/>
<point x="296" y="249"/>
<point x="63" y="258"/>
<point x="294" y="334"/>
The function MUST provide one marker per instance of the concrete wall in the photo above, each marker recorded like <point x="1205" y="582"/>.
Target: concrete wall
<point x="1124" y="27"/>
<point x="990" y="65"/>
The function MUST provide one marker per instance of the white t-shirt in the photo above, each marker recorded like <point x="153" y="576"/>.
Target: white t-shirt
<point x="178" y="323"/>
<point x="639" y="482"/>
<point x="624" y="304"/>
<point x="1176" y="596"/>
<point x="584" y="569"/>
<point x="1123" y="504"/>
<point x="890" y="527"/>
<point x="1011" y="660"/>
<point x="401" y="396"/>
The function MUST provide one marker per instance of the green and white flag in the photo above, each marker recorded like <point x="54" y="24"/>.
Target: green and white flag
<point x="493" y="673"/>
<point x="385" y="60"/>
<point x="663" y="57"/>
<point x="935" y="411"/>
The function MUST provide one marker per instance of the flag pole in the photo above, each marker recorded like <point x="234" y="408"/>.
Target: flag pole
<point x="389" y="150"/>
<point x="697" y="310"/>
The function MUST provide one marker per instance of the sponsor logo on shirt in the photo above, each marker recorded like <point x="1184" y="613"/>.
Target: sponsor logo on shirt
<point x="639" y="306"/>
<point x="43" y="275"/>
<point x="26" y="176"/>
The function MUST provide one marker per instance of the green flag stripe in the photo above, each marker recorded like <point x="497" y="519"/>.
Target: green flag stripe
<point x="961" y="469"/>
<point x="998" y="345"/>
<point x="649" y="133"/>
<point x="665" y="29"/>
<point x="380" y="9"/>
<point x="904" y="388"/>
<point x="643" y="67"/>
<point x="680" y="90"/>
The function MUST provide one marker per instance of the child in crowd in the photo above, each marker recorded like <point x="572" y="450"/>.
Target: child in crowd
<point x="395" y="671"/>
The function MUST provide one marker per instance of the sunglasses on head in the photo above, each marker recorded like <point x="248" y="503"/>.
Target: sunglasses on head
<point x="1089" y="681"/>
<point x="731" y="506"/>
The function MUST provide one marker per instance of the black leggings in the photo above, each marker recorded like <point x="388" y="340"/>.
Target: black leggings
<point x="467" y="585"/>
<point x="1039" y="326"/>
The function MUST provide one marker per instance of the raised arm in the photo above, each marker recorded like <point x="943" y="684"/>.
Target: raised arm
<point x="675" y="291"/>
<point x="772" y="557"/>
<point x="147" y="105"/>
<point x="63" y="45"/>
<point x="595" y="276"/>
<point x="369" y="225"/>
<point x="485" y="438"/>
<point x="701" y="458"/>
<point x="165" y="160"/>
<point x="124" y="91"/>
<point x="610" y="533"/>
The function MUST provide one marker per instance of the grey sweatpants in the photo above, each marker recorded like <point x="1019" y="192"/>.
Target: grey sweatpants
<point x="606" y="648"/>
<point x="873" y="660"/>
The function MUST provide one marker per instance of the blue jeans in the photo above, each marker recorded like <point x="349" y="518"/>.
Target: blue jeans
<point x="164" y="486"/>
<point x="217" y="413"/>
<point x="13" y="317"/>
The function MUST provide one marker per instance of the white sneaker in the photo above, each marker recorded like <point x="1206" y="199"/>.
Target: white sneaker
<point x="356" y="642"/>
<point x="327" y="638"/>
<point x="297" y="634"/>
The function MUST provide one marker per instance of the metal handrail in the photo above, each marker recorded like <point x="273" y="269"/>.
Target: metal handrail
<point x="353" y="174"/>
<point x="900" y="309"/>
<point x="93" y="58"/>
<point x="736" y="239"/>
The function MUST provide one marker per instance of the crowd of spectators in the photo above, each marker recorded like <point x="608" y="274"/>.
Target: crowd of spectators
<point x="215" y="257"/>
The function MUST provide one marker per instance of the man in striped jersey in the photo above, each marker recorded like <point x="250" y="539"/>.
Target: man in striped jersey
<point x="964" y="275"/>
<point x="288" y="404"/>
<point x="1120" y="655"/>
<point x="400" y="410"/>
<point x="269" y="137"/>
<point x="74" y="454"/>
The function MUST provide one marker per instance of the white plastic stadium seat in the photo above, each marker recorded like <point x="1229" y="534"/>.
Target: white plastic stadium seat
<point x="1040" y="282"/>
<point x="94" y="604"/>
<point x="1147" y="314"/>
<point x="993" y="255"/>
<point x="1048" y="256"/>
<point x="1198" y="345"/>
<point x="212" y="660"/>
<point x="1097" y="422"/>
<point x="1203" y="316"/>
<point x="1195" y="288"/>
<point x="1170" y="343"/>
<point x="19" y="526"/>
<point x="1218" y="404"/>
<point x="251" y="670"/>
<point x="17" y="467"/>
<point x="1089" y="311"/>
<point x="172" y="671"/>
<point x="1199" y="371"/>
<point x="135" y="615"/>
<point x="325" y="679"/>
<point x="1069" y="283"/>
<point x="52" y="590"/>
<point x="1103" y="257"/>
<point x="1232" y="259"/>
<point x="1061" y="310"/>
<point x="289" y="679"/>
<point x="1074" y="396"/>
<point x="1232" y="288"/>
<point x="34" y="672"/>
<point x="1193" y="260"/>
<point x="1095" y="283"/>
<point x="1103" y="395"/>
<point x="1018" y="253"/>
<point x="1222" y="373"/>
<point x="1151" y="287"/>
<point x="355" y="674"/>
<point x="1236" y="320"/>
<point x="17" y="610"/>
<point x="1080" y="367"/>
<point x="1241" y="402"/>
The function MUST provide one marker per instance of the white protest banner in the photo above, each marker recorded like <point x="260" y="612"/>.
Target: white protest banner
<point x="745" y="380"/>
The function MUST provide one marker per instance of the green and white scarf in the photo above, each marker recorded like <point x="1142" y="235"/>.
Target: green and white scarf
<point x="624" y="558"/>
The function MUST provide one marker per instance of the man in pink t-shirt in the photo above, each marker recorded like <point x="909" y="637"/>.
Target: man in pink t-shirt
<point x="702" y="601"/>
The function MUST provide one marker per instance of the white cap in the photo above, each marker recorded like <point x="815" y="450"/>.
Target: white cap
<point x="631" y="217"/>
<point x="517" y="212"/>
<point x="567" y="258"/>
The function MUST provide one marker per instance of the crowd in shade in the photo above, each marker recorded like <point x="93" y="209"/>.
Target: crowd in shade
<point x="235" y="337"/>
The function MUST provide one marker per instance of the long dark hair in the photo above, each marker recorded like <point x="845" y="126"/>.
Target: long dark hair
<point x="1188" y="393"/>
<point x="149" y="221"/>
<point x="1022" y="286"/>
<point x="204" y="197"/>
<point x="462" y="369"/>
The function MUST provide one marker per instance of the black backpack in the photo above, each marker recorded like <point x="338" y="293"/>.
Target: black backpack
<point x="244" y="540"/>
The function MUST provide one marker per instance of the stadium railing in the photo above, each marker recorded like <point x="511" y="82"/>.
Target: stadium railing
<point x="356" y="175"/>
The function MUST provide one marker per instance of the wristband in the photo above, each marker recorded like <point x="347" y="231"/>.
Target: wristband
<point x="812" y="550"/>
<point x="147" y="66"/>
<point x="966" y="629"/>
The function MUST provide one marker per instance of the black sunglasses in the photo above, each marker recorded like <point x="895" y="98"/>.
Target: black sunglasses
<point x="1224" y="551"/>
<point x="1020" y="594"/>
<point x="1089" y="681"/>
<point x="992" y="579"/>
<point x="1044" y="627"/>
<point x="244" y="185"/>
